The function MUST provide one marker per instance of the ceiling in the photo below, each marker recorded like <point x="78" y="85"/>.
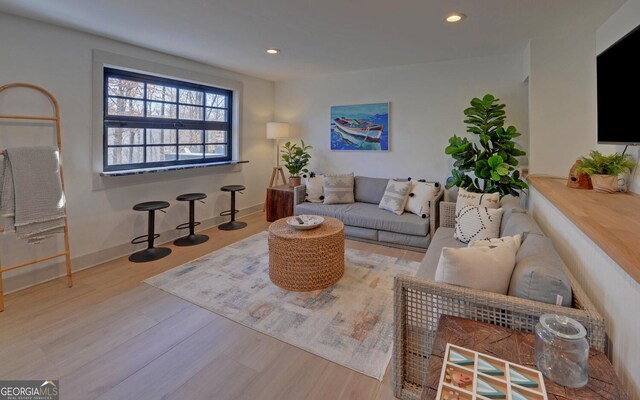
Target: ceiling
<point x="318" y="36"/>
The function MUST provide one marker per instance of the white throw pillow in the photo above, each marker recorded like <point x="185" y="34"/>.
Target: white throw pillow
<point x="314" y="189"/>
<point x="338" y="189"/>
<point x="420" y="197"/>
<point x="395" y="196"/>
<point x="505" y="240"/>
<point x="486" y="268"/>
<point x="489" y="200"/>
<point x="477" y="223"/>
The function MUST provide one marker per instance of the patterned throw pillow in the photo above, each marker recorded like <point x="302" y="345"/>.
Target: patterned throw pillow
<point x="338" y="189"/>
<point x="314" y="186"/>
<point x="395" y="196"/>
<point x="477" y="223"/>
<point x="489" y="200"/>
<point x="420" y="197"/>
<point x="505" y="240"/>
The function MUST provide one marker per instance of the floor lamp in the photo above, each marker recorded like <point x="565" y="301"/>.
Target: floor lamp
<point x="277" y="131"/>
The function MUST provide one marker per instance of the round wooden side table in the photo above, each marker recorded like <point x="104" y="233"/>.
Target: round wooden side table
<point x="306" y="260"/>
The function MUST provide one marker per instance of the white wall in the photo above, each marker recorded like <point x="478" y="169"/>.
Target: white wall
<point x="562" y="101"/>
<point x="615" y="294"/>
<point x="100" y="217"/>
<point x="427" y="103"/>
<point x="619" y="24"/>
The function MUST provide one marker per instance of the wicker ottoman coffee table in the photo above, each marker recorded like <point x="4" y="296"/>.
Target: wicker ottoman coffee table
<point x="306" y="260"/>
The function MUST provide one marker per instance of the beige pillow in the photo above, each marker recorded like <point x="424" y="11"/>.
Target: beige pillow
<point x="497" y="241"/>
<point x="489" y="200"/>
<point x="420" y="197"/>
<point x="338" y="189"/>
<point x="314" y="189"/>
<point x="395" y="196"/>
<point x="486" y="268"/>
<point x="477" y="223"/>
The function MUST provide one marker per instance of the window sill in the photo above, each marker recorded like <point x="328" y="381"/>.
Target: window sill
<point x="139" y="171"/>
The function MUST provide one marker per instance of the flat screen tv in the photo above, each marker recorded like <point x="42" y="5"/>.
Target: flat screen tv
<point x="618" y="87"/>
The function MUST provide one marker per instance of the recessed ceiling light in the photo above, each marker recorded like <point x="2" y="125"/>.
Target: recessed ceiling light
<point x="455" y="17"/>
<point x="273" y="51"/>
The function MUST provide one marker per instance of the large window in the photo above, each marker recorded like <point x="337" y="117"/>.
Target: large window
<point x="157" y="122"/>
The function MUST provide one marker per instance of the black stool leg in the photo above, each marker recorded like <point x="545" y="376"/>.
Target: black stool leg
<point x="192" y="239"/>
<point x="233" y="224"/>
<point x="233" y="207"/>
<point x="192" y="217"/>
<point x="151" y="228"/>
<point x="151" y="253"/>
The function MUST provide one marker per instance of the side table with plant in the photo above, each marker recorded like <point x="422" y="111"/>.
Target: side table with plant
<point x="604" y="170"/>
<point x="296" y="158"/>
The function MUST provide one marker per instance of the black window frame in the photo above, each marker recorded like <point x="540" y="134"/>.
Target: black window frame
<point x="177" y="124"/>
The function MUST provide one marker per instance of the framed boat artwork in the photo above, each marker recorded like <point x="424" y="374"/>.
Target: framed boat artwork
<point x="360" y="127"/>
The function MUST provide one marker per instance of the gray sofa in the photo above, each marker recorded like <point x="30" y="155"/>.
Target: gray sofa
<point x="365" y="221"/>
<point x="539" y="276"/>
<point x="539" y="273"/>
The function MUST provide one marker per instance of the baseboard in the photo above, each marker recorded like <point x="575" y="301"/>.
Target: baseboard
<point x="56" y="270"/>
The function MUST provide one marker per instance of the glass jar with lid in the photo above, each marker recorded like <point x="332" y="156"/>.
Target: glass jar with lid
<point x="562" y="350"/>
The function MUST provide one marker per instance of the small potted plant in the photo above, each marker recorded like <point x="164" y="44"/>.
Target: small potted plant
<point x="296" y="158"/>
<point x="604" y="170"/>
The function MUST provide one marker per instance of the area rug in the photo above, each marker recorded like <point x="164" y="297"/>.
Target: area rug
<point x="349" y="323"/>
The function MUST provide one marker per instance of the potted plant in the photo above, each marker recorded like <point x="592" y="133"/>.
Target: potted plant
<point x="491" y="155"/>
<point x="296" y="158"/>
<point x="604" y="170"/>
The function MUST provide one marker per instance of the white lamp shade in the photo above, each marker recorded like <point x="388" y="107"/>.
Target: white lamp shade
<point x="277" y="130"/>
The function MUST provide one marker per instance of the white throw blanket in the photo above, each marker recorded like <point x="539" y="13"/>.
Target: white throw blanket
<point x="31" y="198"/>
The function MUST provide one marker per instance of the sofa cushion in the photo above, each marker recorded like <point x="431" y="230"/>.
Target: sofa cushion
<point x="338" y="189"/>
<point x="489" y="200"/>
<point x="519" y="222"/>
<point x="314" y="186"/>
<point x="510" y="204"/>
<point x="421" y="196"/>
<point x="486" y="268"/>
<point x="395" y="196"/>
<point x="367" y="215"/>
<point x="361" y="233"/>
<point x="404" y="240"/>
<point x="328" y="210"/>
<point x="477" y="223"/>
<point x="370" y="190"/>
<point x="539" y="273"/>
<point x="442" y="238"/>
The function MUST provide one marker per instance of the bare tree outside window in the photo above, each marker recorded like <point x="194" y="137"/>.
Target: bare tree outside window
<point x="157" y="121"/>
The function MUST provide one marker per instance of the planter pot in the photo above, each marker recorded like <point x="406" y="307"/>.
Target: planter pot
<point x="578" y="180"/>
<point x="295" y="181"/>
<point x="604" y="183"/>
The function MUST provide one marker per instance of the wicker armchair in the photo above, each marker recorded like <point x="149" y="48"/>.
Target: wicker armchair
<point x="419" y="303"/>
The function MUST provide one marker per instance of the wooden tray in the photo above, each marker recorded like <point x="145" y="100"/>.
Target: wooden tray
<point x="470" y="375"/>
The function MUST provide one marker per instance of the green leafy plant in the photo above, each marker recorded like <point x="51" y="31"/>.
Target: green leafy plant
<point x="296" y="158"/>
<point x="491" y="154"/>
<point x="598" y="164"/>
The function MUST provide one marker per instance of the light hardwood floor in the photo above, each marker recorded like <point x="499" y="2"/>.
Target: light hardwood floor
<point x="113" y="337"/>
